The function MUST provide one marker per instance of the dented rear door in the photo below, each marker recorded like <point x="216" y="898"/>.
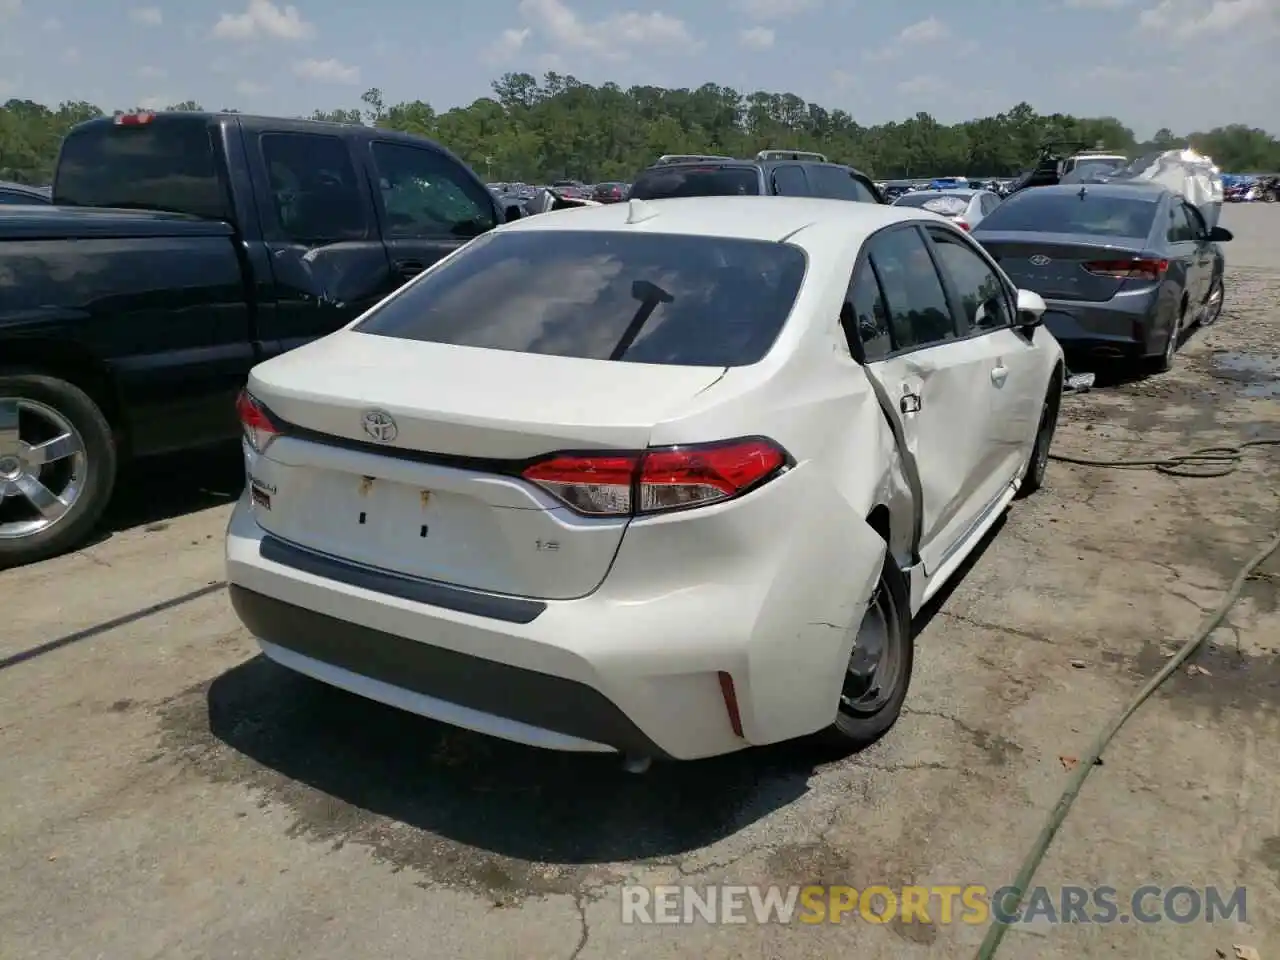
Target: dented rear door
<point x="328" y="262"/>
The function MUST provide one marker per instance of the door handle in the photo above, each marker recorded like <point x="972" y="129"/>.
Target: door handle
<point x="999" y="375"/>
<point x="910" y="403"/>
<point x="410" y="268"/>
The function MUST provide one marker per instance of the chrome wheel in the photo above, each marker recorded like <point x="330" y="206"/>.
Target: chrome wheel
<point x="43" y="467"/>
<point x="1213" y="307"/>
<point x="872" y="674"/>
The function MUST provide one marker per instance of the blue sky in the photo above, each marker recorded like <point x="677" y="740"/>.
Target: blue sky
<point x="1177" y="63"/>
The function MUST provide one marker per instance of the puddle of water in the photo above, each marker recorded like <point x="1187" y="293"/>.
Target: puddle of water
<point x="1258" y="373"/>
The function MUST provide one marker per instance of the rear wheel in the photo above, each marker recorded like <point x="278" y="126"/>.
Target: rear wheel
<point x="1213" y="305"/>
<point x="1038" y="465"/>
<point x="1164" y="362"/>
<point x="879" y="669"/>
<point x="57" y="466"/>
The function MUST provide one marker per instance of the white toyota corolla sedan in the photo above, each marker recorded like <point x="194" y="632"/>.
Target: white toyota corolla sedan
<point x="663" y="478"/>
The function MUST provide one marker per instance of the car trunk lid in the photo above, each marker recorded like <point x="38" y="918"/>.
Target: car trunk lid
<point x="1055" y="265"/>
<point x="432" y="488"/>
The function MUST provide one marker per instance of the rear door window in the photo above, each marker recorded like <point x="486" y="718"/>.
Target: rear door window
<point x="166" y="164"/>
<point x="425" y="194"/>
<point x="983" y="296"/>
<point x="790" y="181"/>
<point x="1046" y="210"/>
<point x="315" y="191"/>
<point x="838" y="183"/>
<point x="919" y="314"/>
<point x="666" y="182"/>
<point x="1180" y="230"/>
<point x="604" y="295"/>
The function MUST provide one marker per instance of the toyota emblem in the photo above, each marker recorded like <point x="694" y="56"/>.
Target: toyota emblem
<point x="380" y="425"/>
<point x="1039" y="259"/>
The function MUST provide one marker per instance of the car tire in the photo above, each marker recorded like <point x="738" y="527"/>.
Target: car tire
<point x="86" y="478"/>
<point x="859" y="724"/>
<point x="1164" y="362"/>
<point x="1213" y="303"/>
<point x="1038" y="463"/>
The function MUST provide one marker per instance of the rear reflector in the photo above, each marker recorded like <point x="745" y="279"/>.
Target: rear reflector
<point x="656" y="480"/>
<point x="962" y="225"/>
<point x="731" y="702"/>
<point x="1136" y="269"/>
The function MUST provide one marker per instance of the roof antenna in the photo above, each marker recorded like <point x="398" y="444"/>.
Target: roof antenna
<point x="638" y="211"/>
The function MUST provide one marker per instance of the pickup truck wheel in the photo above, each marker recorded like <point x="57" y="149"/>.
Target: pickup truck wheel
<point x="57" y="466"/>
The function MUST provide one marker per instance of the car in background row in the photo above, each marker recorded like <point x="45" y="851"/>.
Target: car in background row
<point x="689" y="509"/>
<point x="779" y="178"/>
<point x="962" y="206"/>
<point x="18" y="194"/>
<point x="611" y="192"/>
<point x="1125" y="268"/>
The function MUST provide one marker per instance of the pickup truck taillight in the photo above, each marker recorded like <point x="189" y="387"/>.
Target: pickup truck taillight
<point x="610" y="484"/>
<point x="258" y="426"/>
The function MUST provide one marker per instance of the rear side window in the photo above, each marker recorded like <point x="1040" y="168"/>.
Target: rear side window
<point x="425" y="194"/>
<point x="664" y="183"/>
<point x="865" y="318"/>
<point x="1040" y="210"/>
<point x="983" y="297"/>
<point x="167" y="164"/>
<point x="919" y="314"/>
<point x="1179" y="230"/>
<point x="837" y="183"/>
<point x="790" y="181"/>
<point x="603" y="295"/>
<point x="314" y="188"/>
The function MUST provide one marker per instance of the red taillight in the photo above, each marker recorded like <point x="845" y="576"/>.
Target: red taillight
<point x="1139" y="268"/>
<point x="666" y="478"/>
<point x="134" y="119"/>
<point x="259" y="429"/>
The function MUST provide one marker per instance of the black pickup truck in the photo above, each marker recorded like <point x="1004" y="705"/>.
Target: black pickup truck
<point x="127" y="331"/>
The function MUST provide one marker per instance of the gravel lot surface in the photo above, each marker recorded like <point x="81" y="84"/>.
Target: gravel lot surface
<point x="165" y="792"/>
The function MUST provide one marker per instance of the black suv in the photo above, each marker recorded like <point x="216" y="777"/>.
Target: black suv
<point x="777" y="178"/>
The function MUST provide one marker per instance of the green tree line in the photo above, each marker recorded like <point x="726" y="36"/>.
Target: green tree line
<point x="559" y="127"/>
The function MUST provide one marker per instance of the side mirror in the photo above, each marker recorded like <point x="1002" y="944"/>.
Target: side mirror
<point x="1220" y="235"/>
<point x="513" y="211"/>
<point x="1031" y="308"/>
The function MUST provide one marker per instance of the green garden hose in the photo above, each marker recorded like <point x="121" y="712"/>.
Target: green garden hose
<point x="1206" y="462"/>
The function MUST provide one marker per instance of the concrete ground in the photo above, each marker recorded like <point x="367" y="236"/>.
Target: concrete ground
<point x="165" y="792"/>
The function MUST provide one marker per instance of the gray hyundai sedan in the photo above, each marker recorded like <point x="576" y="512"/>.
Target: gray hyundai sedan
<point x="1125" y="269"/>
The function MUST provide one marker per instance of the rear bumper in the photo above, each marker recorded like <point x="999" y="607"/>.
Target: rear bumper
<point x="1121" y="328"/>
<point x="634" y="667"/>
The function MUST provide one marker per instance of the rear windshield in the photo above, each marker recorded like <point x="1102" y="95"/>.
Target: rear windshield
<point x="1036" y="210"/>
<point x="642" y="298"/>
<point x="167" y="164"/>
<point x="696" y="182"/>
<point x="947" y="206"/>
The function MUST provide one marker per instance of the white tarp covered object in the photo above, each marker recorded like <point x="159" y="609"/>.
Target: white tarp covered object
<point x="1187" y="172"/>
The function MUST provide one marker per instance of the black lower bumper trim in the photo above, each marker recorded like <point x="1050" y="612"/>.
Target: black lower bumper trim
<point x="510" y="609"/>
<point x="513" y="693"/>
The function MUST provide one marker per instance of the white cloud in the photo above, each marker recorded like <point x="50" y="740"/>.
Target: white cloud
<point x="1095" y="4"/>
<point x="509" y="43"/>
<point x="150" y="73"/>
<point x="613" y="38"/>
<point x="327" y="71"/>
<point x="928" y="30"/>
<point x="52" y="25"/>
<point x="923" y="86"/>
<point x="148" y="16"/>
<point x="154" y="102"/>
<point x="248" y="88"/>
<point x="1181" y="20"/>
<point x="263" y="19"/>
<point x="71" y="55"/>
<point x="757" y="38"/>
<point x="775" y="9"/>
<point x="10" y="8"/>
<point x="842" y="80"/>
